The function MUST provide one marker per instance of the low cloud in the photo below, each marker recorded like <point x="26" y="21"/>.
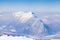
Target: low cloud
<point x="5" y="37"/>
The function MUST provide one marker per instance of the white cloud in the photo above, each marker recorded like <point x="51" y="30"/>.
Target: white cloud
<point x="13" y="30"/>
<point x="52" y="37"/>
<point x="5" y="37"/>
<point x="45" y="19"/>
<point x="7" y="30"/>
<point x="2" y="27"/>
<point x="23" y="16"/>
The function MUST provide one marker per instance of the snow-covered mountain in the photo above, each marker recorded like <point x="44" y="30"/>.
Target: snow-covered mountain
<point x="30" y="24"/>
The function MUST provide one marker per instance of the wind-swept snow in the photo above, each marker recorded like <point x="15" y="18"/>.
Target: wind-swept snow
<point x="23" y="16"/>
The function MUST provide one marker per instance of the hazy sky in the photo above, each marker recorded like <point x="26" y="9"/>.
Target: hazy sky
<point x="30" y="5"/>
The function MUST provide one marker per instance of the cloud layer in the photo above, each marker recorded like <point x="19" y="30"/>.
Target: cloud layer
<point x="5" y="37"/>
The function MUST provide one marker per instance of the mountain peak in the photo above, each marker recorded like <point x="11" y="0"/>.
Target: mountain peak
<point x="23" y="16"/>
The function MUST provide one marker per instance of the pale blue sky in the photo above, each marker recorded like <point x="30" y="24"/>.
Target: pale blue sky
<point x="30" y="5"/>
